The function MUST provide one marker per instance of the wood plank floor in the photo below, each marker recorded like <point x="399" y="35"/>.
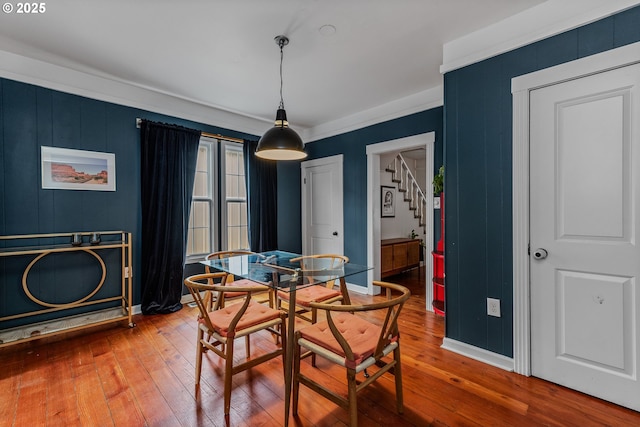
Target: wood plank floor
<point x="116" y="376"/>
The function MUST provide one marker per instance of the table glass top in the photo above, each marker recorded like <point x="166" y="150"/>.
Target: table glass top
<point x="283" y="269"/>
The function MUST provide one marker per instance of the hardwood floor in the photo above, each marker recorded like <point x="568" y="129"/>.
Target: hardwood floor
<point x="145" y="377"/>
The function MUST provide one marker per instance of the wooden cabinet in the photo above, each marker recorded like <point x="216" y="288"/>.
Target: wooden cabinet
<point x="398" y="255"/>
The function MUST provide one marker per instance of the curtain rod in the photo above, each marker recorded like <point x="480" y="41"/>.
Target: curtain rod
<point x="206" y="134"/>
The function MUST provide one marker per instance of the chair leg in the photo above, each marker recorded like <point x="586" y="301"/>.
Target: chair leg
<point x="199" y="350"/>
<point x="283" y="338"/>
<point x="397" y="371"/>
<point x="314" y="320"/>
<point x="247" y="344"/>
<point x="296" y="371"/>
<point x="353" y="397"/>
<point x="228" y="374"/>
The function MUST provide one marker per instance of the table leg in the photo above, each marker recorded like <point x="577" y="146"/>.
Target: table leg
<point x="345" y="293"/>
<point x="288" y="361"/>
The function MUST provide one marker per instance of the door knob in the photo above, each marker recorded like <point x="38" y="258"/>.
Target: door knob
<point x="335" y="233"/>
<point x="540" y="253"/>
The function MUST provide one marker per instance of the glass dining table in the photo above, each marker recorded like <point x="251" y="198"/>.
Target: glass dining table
<point x="282" y="271"/>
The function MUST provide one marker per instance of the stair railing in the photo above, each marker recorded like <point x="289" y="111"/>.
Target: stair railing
<point x="408" y="185"/>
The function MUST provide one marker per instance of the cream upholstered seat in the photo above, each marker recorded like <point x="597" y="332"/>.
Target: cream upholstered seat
<point x="356" y="344"/>
<point x="224" y="324"/>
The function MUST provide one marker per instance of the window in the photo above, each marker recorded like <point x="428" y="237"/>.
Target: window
<point x="213" y="227"/>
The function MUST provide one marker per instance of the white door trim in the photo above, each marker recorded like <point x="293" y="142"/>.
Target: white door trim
<point x="520" y="88"/>
<point x="339" y="160"/>
<point x="426" y="140"/>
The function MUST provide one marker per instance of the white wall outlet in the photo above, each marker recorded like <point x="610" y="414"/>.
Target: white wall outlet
<point x="126" y="272"/>
<point x="493" y="307"/>
<point x="436" y="202"/>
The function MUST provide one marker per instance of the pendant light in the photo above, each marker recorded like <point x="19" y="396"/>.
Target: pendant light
<point x="281" y="142"/>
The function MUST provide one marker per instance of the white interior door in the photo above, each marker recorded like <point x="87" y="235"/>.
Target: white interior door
<point x="322" y="216"/>
<point x="585" y="210"/>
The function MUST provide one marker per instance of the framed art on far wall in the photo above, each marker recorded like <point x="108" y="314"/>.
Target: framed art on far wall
<point x="66" y="169"/>
<point x="387" y="201"/>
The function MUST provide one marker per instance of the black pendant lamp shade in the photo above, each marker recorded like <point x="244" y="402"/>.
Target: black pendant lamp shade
<point x="281" y="142"/>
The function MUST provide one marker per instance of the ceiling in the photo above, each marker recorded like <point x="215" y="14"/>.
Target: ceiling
<point x="222" y="54"/>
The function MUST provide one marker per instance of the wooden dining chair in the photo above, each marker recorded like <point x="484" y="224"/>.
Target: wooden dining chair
<point x="349" y="340"/>
<point x="263" y="297"/>
<point x="225" y="324"/>
<point x="326" y="293"/>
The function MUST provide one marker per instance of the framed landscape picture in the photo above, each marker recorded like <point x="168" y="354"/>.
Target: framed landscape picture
<point x="387" y="201"/>
<point x="67" y="169"/>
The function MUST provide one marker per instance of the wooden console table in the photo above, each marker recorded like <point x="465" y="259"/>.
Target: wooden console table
<point x="399" y="255"/>
<point x="42" y="245"/>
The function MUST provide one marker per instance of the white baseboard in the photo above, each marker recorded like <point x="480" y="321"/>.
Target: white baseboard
<point x="136" y="309"/>
<point x="357" y="289"/>
<point x="480" y="354"/>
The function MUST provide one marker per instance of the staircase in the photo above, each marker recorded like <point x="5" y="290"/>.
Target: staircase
<point x="408" y="186"/>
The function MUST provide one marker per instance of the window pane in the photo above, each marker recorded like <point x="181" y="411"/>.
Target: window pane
<point x="201" y="185"/>
<point x="243" y="213"/>
<point x="232" y="162"/>
<point x="203" y="158"/>
<point x="234" y="240"/>
<point x="200" y="216"/>
<point x="199" y="235"/>
<point x="232" y="186"/>
<point x="237" y="225"/>
<point x="201" y="239"/>
<point x="233" y="214"/>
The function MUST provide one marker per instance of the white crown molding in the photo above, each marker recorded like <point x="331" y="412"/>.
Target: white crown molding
<point x="32" y="71"/>
<point x="28" y="70"/>
<point x="415" y="103"/>
<point x="542" y="21"/>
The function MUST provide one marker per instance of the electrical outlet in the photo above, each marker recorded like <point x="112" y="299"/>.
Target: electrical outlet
<point x="493" y="307"/>
<point x="126" y="272"/>
<point x="436" y="202"/>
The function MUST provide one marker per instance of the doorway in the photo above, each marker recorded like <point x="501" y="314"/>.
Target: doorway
<point x="374" y="152"/>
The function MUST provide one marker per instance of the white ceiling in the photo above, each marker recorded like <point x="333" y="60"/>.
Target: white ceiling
<point x="222" y="54"/>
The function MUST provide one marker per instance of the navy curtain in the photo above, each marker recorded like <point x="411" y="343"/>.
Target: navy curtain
<point x="261" y="178"/>
<point x="168" y="155"/>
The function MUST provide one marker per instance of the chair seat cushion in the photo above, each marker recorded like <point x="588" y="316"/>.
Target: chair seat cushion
<point x="243" y="283"/>
<point x="361" y="335"/>
<point x="310" y="294"/>
<point x="256" y="313"/>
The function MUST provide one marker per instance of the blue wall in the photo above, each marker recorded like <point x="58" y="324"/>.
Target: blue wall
<point x="32" y="116"/>
<point x="478" y="138"/>
<point x="353" y="146"/>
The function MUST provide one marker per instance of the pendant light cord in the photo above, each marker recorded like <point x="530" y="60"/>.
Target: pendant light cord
<point x="281" y="58"/>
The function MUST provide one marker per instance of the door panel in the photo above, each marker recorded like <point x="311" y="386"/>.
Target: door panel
<point x="322" y="216"/>
<point x="584" y="154"/>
